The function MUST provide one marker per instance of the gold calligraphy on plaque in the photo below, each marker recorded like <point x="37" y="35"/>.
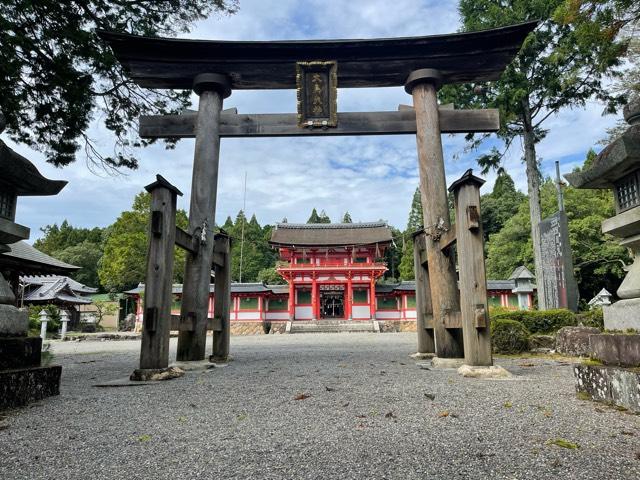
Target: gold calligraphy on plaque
<point x="317" y="88"/>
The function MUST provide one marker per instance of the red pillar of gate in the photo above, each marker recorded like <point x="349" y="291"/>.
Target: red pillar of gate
<point x="314" y="299"/>
<point x="372" y="296"/>
<point x="292" y="299"/>
<point x="348" y="299"/>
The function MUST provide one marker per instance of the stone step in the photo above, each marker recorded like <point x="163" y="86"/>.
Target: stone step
<point x="333" y="326"/>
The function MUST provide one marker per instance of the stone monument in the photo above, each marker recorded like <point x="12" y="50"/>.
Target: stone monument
<point x="617" y="167"/>
<point x="22" y="378"/>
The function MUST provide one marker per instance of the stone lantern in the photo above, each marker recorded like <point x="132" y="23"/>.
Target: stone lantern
<point x="617" y="168"/>
<point x="22" y="378"/>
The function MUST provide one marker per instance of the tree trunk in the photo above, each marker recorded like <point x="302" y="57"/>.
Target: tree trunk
<point x="533" y="188"/>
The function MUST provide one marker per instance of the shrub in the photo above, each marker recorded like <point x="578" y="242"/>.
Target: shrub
<point x="547" y="321"/>
<point x="53" y="325"/>
<point x="592" y="318"/>
<point x="509" y="336"/>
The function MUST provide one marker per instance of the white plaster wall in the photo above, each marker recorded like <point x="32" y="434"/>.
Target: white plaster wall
<point x="303" y="313"/>
<point x="277" y="315"/>
<point x="249" y="316"/>
<point x="387" y="314"/>
<point x="360" y="312"/>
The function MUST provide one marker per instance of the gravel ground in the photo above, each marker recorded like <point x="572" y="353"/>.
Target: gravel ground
<point x="367" y="414"/>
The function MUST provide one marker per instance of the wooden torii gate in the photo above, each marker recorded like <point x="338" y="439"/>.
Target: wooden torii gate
<point x="316" y="68"/>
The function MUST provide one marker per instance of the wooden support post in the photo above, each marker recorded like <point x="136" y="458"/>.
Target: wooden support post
<point x="422" y="85"/>
<point x="154" y="350"/>
<point x="473" y="280"/>
<point x="222" y="299"/>
<point x="197" y="275"/>
<point x="426" y="340"/>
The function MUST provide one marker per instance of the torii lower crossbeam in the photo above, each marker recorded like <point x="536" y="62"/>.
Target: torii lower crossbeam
<point x="349" y="123"/>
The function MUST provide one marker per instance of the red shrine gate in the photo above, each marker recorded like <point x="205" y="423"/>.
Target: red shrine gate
<point x="332" y="269"/>
<point x="451" y="322"/>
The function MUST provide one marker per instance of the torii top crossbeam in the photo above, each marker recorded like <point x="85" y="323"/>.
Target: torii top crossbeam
<point x="459" y="57"/>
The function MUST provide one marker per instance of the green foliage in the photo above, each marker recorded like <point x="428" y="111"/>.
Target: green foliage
<point x="53" y="325"/>
<point x="257" y="254"/>
<point x="592" y="318"/>
<point x="393" y="257"/>
<point x="415" y="221"/>
<point x="543" y="322"/>
<point x="414" y="224"/>
<point x="560" y="65"/>
<point x="123" y="264"/>
<point x="509" y="336"/>
<point x="561" y="442"/>
<point x="55" y="72"/>
<point x="597" y="258"/>
<point x="319" y="218"/>
<point x="57" y="238"/>
<point x="104" y="309"/>
<point x="346" y="218"/>
<point x="500" y="205"/>
<point x="270" y="276"/>
<point x="86" y="255"/>
<point x="406" y="262"/>
<point x="77" y="246"/>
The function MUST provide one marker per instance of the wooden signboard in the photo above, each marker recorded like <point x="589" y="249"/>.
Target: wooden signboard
<point x="317" y="86"/>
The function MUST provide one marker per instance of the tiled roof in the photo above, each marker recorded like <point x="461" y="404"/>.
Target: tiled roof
<point x="330" y="234"/>
<point x="235" y="288"/>
<point x="521" y="272"/>
<point x="26" y="259"/>
<point x="501" y="284"/>
<point x="52" y="289"/>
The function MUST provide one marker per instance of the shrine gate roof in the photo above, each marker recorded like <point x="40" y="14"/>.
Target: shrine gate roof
<point x="382" y="62"/>
<point x="330" y="234"/>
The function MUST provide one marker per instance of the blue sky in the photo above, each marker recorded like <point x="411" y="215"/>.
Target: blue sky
<point x="371" y="177"/>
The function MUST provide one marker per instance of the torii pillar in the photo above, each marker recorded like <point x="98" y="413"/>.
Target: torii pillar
<point x="422" y="85"/>
<point x="212" y="89"/>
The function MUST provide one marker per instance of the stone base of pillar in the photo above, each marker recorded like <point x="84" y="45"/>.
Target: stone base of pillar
<point x="439" y="362"/>
<point x="153" y="374"/>
<point x="491" y="372"/>
<point x="422" y="356"/>
<point x="622" y="315"/>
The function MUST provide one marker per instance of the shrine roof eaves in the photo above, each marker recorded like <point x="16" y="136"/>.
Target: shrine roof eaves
<point x="330" y="234"/>
<point x="382" y="62"/>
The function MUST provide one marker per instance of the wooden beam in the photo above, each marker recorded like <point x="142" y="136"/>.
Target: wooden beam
<point x="186" y="241"/>
<point x="350" y="123"/>
<point x="448" y="238"/>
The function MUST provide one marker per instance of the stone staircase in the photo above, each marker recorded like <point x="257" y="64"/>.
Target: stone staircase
<point x="333" y="326"/>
